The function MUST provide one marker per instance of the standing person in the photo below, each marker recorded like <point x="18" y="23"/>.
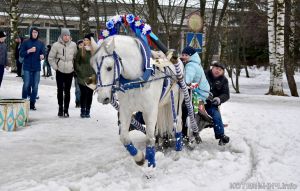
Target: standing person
<point x="46" y="66"/>
<point x="84" y="70"/>
<point x="220" y="90"/>
<point x="17" y="56"/>
<point x="194" y="73"/>
<point x="3" y="55"/>
<point x="61" y="58"/>
<point x="33" y="51"/>
<point x="77" y="88"/>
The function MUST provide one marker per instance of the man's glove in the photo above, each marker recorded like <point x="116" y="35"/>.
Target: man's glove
<point x="216" y="101"/>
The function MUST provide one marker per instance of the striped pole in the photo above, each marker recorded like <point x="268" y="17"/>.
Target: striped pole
<point x="138" y="126"/>
<point x="187" y="98"/>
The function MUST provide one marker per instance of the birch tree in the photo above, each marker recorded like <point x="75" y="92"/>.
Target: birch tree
<point x="276" y="13"/>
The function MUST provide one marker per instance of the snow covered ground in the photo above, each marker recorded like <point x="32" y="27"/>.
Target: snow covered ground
<point x="75" y="154"/>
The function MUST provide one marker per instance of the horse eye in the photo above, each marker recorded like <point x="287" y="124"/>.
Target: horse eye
<point x="109" y="69"/>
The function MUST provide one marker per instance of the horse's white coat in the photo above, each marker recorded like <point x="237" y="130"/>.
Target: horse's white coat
<point x="146" y="99"/>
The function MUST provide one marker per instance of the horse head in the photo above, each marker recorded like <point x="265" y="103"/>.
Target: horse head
<point x="112" y="60"/>
<point x="103" y="63"/>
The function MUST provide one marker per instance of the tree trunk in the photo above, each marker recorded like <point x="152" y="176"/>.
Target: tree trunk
<point x="97" y="15"/>
<point x="84" y="9"/>
<point x="105" y="10"/>
<point x="61" y="5"/>
<point x="209" y="36"/>
<point x="289" y="58"/>
<point x="179" y="29"/>
<point x="202" y="11"/>
<point x="14" y="18"/>
<point x="271" y="41"/>
<point x="215" y="39"/>
<point x="278" y="68"/>
<point x="152" y="11"/>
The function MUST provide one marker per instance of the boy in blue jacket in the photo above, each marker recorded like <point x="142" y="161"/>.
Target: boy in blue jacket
<point x="33" y="51"/>
<point x="194" y="74"/>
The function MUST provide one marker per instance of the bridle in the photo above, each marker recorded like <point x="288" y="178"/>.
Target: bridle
<point x="117" y="71"/>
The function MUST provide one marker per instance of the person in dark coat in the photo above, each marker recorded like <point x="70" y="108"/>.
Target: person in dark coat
<point x="46" y="66"/>
<point x="3" y="55"/>
<point x="17" y="56"/>
<point x="84" y="70"/>
<point x="220" y="91"/>
<point x="33" y="51"/>
<point x="80" y="44"/>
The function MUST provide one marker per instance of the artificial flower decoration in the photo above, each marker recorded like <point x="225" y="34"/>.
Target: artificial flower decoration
<point x="130" y="18"/>
<point x="146" y="29"/>
<point x="110" y="24"/>
<point x="105" y="33"/>
<point x="117" y="19"/>
<point x="138" y="23"/>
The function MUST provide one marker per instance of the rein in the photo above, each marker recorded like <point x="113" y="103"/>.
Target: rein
<point x="116" y="83"/>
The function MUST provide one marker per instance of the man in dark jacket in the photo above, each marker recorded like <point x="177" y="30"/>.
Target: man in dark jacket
<point x="17" y="56"/>
<point x="220" y="90"/>
<point x="33" y="51"/>
<point x="3" y="55"/>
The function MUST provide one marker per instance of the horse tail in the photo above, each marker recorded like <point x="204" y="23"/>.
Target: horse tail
<point x="165" y="121"/>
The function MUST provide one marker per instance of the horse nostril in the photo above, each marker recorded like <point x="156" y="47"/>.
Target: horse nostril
<point x="106" y="100"/>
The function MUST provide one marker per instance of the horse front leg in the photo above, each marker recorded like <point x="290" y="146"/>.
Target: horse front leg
<point x="125" y="118"/>
<point x="150" y="118"/>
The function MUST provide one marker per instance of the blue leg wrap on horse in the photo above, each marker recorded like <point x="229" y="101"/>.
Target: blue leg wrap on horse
<point x="131" y="149"/>
<point x="150" y="156"/>
<point x="178" y="137"/>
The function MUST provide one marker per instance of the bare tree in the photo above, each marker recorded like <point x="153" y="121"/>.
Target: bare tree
<point x="172" y="13"/>
<point x="14" y="11"/>
<point x="97" y="14"/>
<point x="83" y="8"/>
<point x="289" y="45"/>
<point x="152" y="15"/>
<point x="213" y="31"/>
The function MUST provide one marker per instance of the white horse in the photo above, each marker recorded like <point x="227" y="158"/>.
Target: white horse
<point x="157" y="111"/>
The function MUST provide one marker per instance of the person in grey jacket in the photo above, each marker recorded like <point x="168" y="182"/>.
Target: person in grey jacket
<point x="3" y="55"/>
<point x="61" y="59"/>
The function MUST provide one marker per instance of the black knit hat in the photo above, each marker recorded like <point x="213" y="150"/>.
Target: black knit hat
<point x="219" y="65"/>
<point x="2" y="34"/>
<point x="89" y="36"/>
<point x="189" y="50"/>
<point x="79" y="42"/>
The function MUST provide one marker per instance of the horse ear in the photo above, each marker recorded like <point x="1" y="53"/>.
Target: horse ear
<point x="94" y="44"/>
<point x="109" y="45"/>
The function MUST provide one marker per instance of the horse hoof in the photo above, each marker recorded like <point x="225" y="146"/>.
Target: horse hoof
<point x="140" y="163"/>
<point x="139" y="158"/>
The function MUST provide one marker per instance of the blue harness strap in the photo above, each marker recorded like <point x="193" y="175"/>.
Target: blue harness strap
<point x="148" y="69"/>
